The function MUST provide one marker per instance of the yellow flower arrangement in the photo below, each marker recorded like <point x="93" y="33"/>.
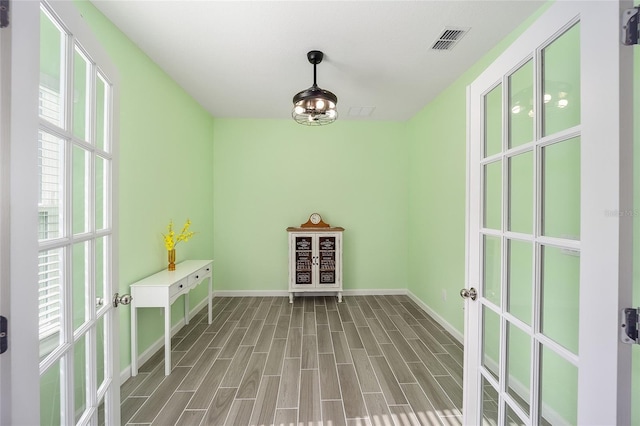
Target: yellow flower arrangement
<point x="170" y="238"/>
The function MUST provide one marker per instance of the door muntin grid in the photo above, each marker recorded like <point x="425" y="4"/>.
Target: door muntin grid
<point x="75" y="227"/>
<point x="529" y="250"/>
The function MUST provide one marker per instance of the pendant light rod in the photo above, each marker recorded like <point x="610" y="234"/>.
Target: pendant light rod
<point x="315" y="57"/>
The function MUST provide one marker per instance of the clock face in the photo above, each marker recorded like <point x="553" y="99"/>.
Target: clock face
<point x="315" y="218"/>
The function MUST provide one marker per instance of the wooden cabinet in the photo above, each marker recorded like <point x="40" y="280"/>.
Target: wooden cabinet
<point x="315" y="260"/>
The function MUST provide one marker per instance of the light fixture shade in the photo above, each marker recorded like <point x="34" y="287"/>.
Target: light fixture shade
<point x="314" y="106"/>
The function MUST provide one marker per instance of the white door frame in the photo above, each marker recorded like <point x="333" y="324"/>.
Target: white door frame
<point x="5" y="86"/>
<point x="604" y="379"/>
<point x="20" y="391"/>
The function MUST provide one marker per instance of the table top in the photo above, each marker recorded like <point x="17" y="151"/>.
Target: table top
<point x="167" y="278"/>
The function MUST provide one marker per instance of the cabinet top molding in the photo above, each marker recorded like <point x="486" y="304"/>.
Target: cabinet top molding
<point x="315" y="222"/>
<point x="314" y="229"/>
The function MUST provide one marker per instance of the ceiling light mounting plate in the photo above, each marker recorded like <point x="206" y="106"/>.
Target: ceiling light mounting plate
<point x="315" y="57"/>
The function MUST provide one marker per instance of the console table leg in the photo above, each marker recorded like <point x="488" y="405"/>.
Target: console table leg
<point x="134" y="341"/>
<point x="186" y="308"/>
<point x="339" y="297"/>
<point x="291" y="297"/>
<point x="210" y="297"/>
<point x="167" y="340"/>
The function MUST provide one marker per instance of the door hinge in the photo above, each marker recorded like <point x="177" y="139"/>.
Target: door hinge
<point x="3" y="335"/>
<point x="630" y="26"/>
<point x="4" y="13"/>
<point x="629" y="325"/>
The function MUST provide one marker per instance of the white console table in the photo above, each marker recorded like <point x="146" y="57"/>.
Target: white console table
<point x="160" y="291"/>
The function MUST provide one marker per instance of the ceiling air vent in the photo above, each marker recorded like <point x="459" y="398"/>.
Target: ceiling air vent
<point x="449" y="38"/>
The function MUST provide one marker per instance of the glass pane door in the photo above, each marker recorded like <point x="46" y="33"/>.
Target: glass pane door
<point x="531" y="254"/>
<point x="75" y="231"/>
<point x="549" y="155"/>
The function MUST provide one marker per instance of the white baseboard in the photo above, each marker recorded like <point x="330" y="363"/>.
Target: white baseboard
<point x="376" y="292"/>
<point x="282" y="293"/>
<point x="146" y="355"/>
<point x="268" y="293"/>
<point x="250" y="293"/>
<point x="446" y="325"/>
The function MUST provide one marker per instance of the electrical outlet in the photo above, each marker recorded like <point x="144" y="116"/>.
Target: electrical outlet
<point x="444" y="295"/>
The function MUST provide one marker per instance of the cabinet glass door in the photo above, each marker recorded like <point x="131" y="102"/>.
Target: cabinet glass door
<point x="304" y="260"/>
<point x="327" y="256"/>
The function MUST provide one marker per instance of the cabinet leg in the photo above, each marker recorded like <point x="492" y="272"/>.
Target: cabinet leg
<point x="290" y="297"/>
<point x="339" y="297"/>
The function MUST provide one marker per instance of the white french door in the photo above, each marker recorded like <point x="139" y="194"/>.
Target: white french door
<point x="548" y="158"/>
<point x="76" y="234"/>
<point x="63" y="340"/>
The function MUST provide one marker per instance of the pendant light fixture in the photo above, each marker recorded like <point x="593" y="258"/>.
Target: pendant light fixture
<point x="315" y="106"/>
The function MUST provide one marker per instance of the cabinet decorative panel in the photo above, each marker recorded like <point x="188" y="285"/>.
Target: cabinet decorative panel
<point x="315" y="260"/>
<point x="327" y="259"/>
<point x="304" y="259"/>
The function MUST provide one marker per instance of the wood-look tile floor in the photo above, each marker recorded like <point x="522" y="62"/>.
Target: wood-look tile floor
<point x="371" y="360"/>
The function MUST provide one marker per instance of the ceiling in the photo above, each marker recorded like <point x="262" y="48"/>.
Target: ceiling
<point x="246" y="59"/>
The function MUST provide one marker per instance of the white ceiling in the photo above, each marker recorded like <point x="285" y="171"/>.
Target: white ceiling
<point x="246" y="59"/>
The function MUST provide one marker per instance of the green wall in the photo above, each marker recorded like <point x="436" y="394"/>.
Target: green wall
<point x="166" y="152"/>
<point x="272" y="174"/>
<point x="437" y="192"/>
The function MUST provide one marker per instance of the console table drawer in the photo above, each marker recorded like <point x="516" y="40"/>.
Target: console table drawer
<point x="199" y="275"/>
<point x="179" y="287"/>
